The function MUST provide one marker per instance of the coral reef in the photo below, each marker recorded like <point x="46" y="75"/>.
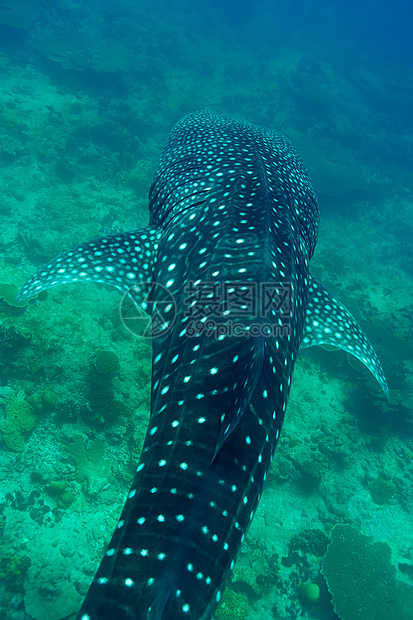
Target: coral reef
<point x="42" y="401"/>
<point x="382" y="491"/>
<point x="34" y="505"/>
<point x="106" y="363"/>
<point x="91" y="465"/>
<point x="90" y="91"/>
<point x="362" y="580"/>
<point x="58" y="491"/>
<point x="10" y="339"/>
<point x="13" y="568"/>
<point x="310" y="541"/>
<point x="103" y="406"/>
<point x="313" y="470"/>
<point x="19" y="421"/>
<point x="69" y="410"/>
<point x="8" y="293"/>
<point x="234" y="606"/>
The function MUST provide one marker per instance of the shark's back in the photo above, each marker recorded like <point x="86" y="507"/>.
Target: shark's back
<point x="233" y="226"/>
<point x="239" y="222"/>
<point x="206" y="151"/>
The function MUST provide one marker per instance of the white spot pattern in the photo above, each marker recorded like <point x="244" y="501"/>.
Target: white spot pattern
<point x="229" y="200"/>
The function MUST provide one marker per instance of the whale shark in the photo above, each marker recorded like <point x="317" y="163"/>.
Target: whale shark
<point x="222" y="271"/>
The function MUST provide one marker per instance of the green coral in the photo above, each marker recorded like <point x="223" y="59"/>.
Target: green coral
<point x="63" y="497"/>
<point x="382" y="491"/>
<point x="107" y="363"/>
<point x="42" y="401"/>
<point x="103" y="406"/>
<point x="90" y="461"/>
<point x="233" y="606"/>
<point x="19" y="421"/>
<point x="56" y="488"/>
<point x="66" y="499"/>
<point x="362" y="580"/>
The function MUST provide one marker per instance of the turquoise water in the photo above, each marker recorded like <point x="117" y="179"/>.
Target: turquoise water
<point x="89" y="93"/>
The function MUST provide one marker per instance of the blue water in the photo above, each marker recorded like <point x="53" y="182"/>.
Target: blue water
<point x="89" y="92"/>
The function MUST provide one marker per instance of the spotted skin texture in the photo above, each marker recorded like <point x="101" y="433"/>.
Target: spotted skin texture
<point x="231" y="204"/>
<point x="122" y="261"/>
<point x="329" y="322"/>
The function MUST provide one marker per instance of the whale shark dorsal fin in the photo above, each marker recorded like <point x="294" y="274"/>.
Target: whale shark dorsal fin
<point x="328" y="322"/>
<point x="122" y="260"/>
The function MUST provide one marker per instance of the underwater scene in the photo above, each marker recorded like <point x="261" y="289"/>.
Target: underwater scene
<point x="90" y="92"/>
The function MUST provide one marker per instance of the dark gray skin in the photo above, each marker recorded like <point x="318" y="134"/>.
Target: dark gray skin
<point x="233" y="215"/>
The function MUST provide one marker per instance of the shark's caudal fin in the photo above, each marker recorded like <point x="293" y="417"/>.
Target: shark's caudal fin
<point x="329" y="322"/>
<point x="122" y="261"/>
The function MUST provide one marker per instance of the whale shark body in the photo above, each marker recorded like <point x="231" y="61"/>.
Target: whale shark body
<point x="233" y="226"/>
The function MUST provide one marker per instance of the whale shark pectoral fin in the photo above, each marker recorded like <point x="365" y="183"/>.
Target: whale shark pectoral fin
<point x="121" y="260"/>
<point x="328" y="322"/>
